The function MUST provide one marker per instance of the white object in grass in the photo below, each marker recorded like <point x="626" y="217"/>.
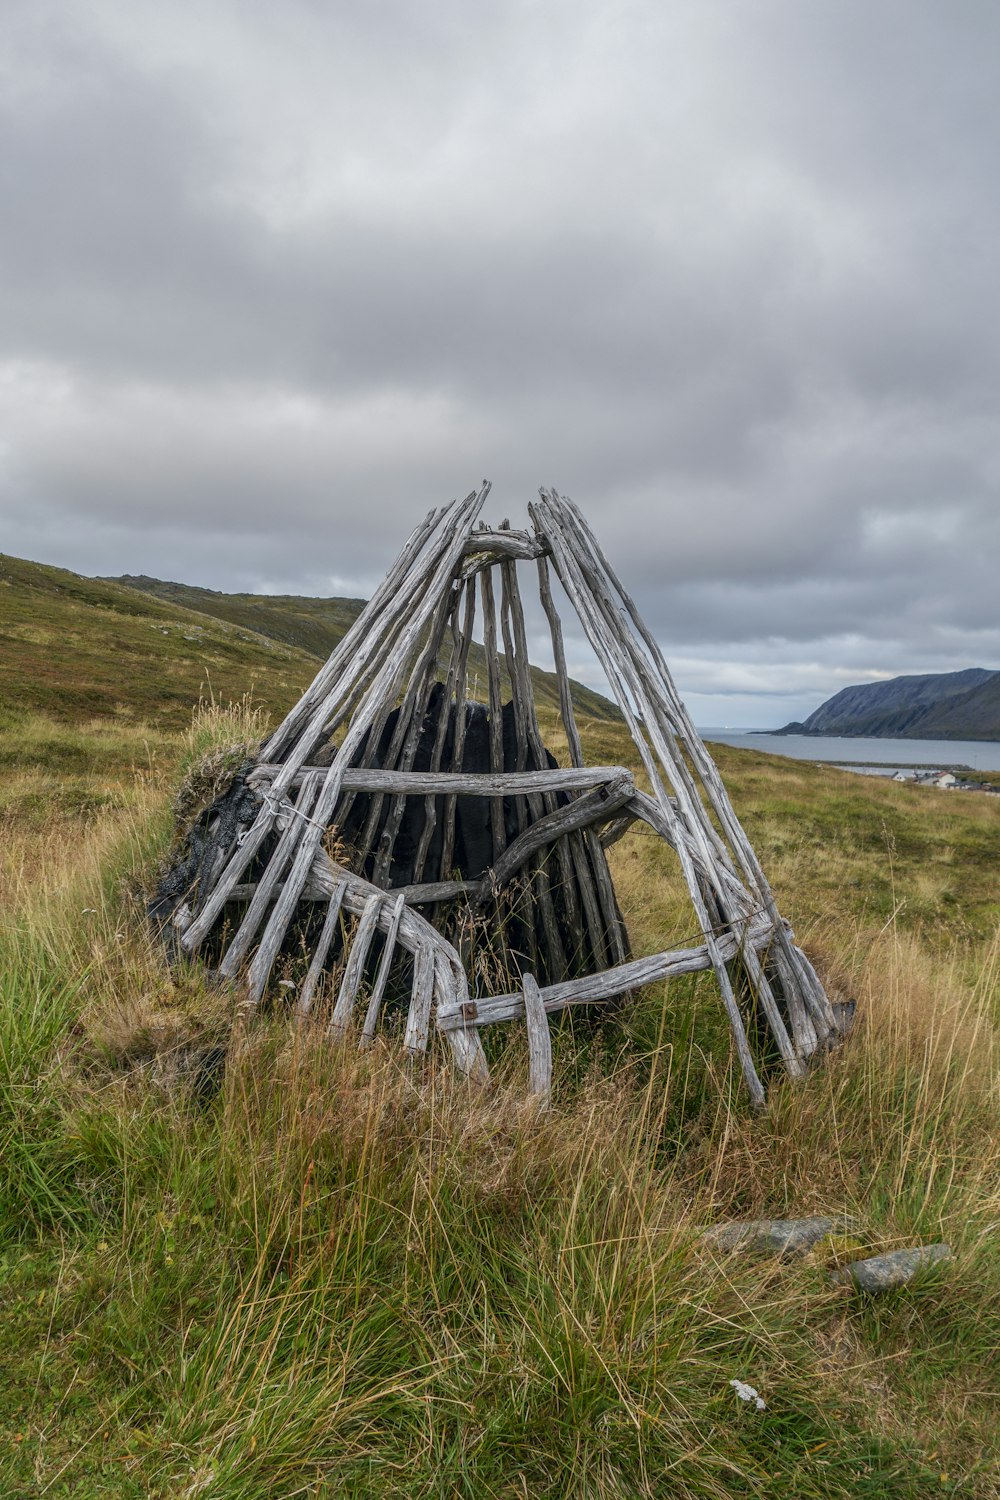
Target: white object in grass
<point x="747" y="1393"/>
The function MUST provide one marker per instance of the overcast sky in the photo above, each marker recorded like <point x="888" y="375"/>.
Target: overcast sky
<point x="277" y="277"/>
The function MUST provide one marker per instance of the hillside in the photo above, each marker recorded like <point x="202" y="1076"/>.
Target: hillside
<point x="81" y="648"/>
<point x="139" y="649"/>
<point x="973" y="715"/>
<point x="312" y="625"/>
<point x="316" y="625"/>
<point x="948" y="705"/>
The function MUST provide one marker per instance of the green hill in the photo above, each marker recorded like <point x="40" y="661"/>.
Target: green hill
<point x="316" y="625"/>
<point x="78" y="648"/>
<point x="312" y="625"/>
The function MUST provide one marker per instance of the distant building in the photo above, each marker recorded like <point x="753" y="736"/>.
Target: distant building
<point x="946" y="779"/>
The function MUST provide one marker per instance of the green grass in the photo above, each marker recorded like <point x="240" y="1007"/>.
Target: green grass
<point x="341" y="1278"/>
<point x="74" y="649"/>
<point x="313" y="625"/>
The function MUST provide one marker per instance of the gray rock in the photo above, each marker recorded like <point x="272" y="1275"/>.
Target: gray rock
<point x="773" y="1236"/>
<point x="895" y="1269"/>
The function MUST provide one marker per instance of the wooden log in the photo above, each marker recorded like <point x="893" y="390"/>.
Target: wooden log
<point x="227" y="880"/>
<point x="375" y="734"/>
<point x="381" y="978"/>
<point x="458" y="746"/>
<point x="586" y="811"/>
<point x="374" y="647"/>
<point x="484" y="548"/>
<point x="458" y="651"/>
<point x="378" y="656"/>
<point x="794" y="977"/>
<point x="645" y="692"/>
<point x="355" y="967"/>
<point x="576" y="587"/>
<point x="634" y="673"/>
<point x="720" y="868"/>
<point x="305" y="999"/>
<point x="420" y="558"/>
<point x="593" y="807"/>
<point x="593" y="989"/>
<point x="402" y="730"/>
<point x="596" y="888"/>
<point x="539" y="1041"/>
<point x="431" y="892"/>
<point x="385" y="683"/>
<point x="413" y="895"/>
<point x="715" y="859"/>
<point x="419" y="1016"/>
<point x="520" y="683"/>
<point x="452" y="989"/>
<point x="495" y="708"/>
<point x="296" y="816"/>
<point x="461" y="784"/>
<point x="815" y="996"/>
<point x="593" y="916"/>
<point x="703" y="842"/>
<point x="368" y="756"/>
<point x="643" y="806"/>
<point x="409" y="727"/>
<point x="391" y="588"/>
<point x="520" y="902"/>
<point x="528" y="738"/>
<point x="413" y="932"/>
<point x="571" y="869"/>
<point x="617" y="830"/>
<point x="566" y="710"/>
<point x="421" y="783"/>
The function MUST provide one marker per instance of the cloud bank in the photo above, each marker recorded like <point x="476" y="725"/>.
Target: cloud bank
<point x="275" y="279"/>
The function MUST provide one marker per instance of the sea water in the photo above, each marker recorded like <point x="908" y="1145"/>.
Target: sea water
<point x="881" y="757"/>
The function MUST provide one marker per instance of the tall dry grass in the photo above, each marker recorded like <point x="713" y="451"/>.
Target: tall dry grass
<point x="341" y="1275"/>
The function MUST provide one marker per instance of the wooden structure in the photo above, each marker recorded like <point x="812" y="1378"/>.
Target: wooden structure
<point x="350" y="836"/>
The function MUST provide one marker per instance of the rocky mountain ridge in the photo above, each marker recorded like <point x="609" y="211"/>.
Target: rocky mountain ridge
<point x="933" y="706"/>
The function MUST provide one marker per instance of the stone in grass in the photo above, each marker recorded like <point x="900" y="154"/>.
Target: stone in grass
<point x="773" y="1236"/>
<point x="882" y="1272"/>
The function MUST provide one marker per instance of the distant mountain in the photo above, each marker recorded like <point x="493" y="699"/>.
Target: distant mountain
<point x="937" y="706"/>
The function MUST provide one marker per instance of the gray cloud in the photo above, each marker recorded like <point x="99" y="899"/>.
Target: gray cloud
<point x="275" y="279"/>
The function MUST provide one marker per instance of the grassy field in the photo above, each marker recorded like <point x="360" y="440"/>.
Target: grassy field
<point x="74" y="648"/>
<point x="337" y="1279"/>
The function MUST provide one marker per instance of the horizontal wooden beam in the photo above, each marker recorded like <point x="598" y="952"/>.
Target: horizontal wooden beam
<point x="597" y="806"/>
<point x="593" y="988"/>
<point x="454" y="783"/>
<point x="492" y="546"/>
